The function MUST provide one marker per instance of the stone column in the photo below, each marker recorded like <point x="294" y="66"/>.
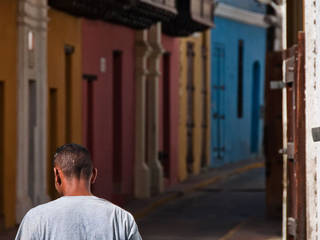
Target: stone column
<point x="32" y="105"/>
<point x="141" y="169"/>
<point x="153" y="107"/>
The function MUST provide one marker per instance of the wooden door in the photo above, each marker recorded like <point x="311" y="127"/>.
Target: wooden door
<point x="52" y="139"/>
<point x="32" y="124"/>
<point x="117" y="122"/>
<point x="217" y="107"/>
<point x="89" y="138"/>
<point x="273" y="136"/>
<point x="190" y="106"/>
<point x="300" y="140"/>
<point x="204" y="121"/>
<point x="69" y="50"/>
<point x="296" y="171"/>
<point x="1" y="150"/>
<point x="255" y="111"/>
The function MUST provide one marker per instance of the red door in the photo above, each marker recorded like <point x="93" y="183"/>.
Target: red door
<point x="117" y="122"/>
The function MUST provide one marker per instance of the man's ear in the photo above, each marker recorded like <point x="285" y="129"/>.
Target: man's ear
<point x="94" y="175"/>
<point x="57" y="176"/>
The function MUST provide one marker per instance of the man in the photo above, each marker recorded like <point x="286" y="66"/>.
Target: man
<point x="77" y="214"/>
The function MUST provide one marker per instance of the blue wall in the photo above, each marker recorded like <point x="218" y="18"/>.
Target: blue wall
<point x="250" y="5"/>
<point x="237" y="131"/>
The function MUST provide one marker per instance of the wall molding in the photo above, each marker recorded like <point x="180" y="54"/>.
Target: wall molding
<point x="241" y="15"/>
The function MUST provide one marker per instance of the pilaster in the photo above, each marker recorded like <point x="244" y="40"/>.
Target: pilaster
<point x="32" y="105"/>
<point x="141" y="171"/>
<point x="153" y="107"/>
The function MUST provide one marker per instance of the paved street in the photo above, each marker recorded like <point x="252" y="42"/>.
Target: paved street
<point x="230" y="210"/>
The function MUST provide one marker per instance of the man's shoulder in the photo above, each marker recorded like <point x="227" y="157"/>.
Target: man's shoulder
<point x="119" y="211"/>
<point x="66" y="204"/>
<point x="40" y="209"/>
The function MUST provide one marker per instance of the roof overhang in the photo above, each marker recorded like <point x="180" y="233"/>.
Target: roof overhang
<point x="193" y="16"/>
<point x="137" y="14"/>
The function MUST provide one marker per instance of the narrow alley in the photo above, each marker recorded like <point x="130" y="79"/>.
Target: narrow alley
<point x="198" y="117"/>
<point x="231" y="209"/>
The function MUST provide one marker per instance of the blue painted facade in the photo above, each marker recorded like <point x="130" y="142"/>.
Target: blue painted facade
<point x="236" y="134"/>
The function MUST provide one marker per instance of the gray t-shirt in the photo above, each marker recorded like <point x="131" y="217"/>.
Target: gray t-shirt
<point x="77" y="218"/>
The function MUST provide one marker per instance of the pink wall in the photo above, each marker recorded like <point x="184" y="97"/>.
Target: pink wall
<point x="171" y="45"/>
<point x="100" y="39"/>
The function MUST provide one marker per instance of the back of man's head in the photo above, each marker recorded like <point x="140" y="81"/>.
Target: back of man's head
<point x="74" y="161"/>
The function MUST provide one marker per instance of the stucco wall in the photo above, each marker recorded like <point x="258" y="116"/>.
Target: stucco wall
<point x="238" y="130"/>
<point x="198" y="40"/>
<point x="8" y="76"/>
<point x="64" y="29"/>
<point x="171" y="45"/>
<point x="100" y="39"/>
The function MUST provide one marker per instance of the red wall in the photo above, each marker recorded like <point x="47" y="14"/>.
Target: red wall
<point x="171" y="45"/>
<point x="100" y="39"/>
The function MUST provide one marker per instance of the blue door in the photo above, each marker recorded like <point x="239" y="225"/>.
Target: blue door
<point x="217" y="105"/>
<point x="255" y="112"/>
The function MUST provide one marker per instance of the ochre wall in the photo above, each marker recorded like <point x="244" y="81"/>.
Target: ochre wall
<point x="8" y="76"/>
<point x="64" y="29"/>
<point x="198" y="40"/>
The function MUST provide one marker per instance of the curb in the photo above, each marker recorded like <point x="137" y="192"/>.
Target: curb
<point x="173" y="196"/>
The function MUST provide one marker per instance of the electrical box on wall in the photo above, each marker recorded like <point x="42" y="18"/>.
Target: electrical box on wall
<point x="103" y="65"/>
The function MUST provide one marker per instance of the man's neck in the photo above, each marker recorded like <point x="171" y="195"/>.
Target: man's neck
<point x="77" y="187"/>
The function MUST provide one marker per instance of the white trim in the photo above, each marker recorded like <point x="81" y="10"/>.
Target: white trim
<point x="240" y="15"/>
<point x="32" y="17"/>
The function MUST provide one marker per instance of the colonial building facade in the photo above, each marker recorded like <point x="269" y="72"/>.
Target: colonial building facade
<point x="108" y="105"/>
<point x="194" y="112"/>
<point x="237" y="81"/>
<point x="99" y="73"/>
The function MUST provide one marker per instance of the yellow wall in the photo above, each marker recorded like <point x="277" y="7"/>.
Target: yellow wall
<point x="8" y="76"/>
<point x="64" y="30"/>
<point x="198" y="41"/>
